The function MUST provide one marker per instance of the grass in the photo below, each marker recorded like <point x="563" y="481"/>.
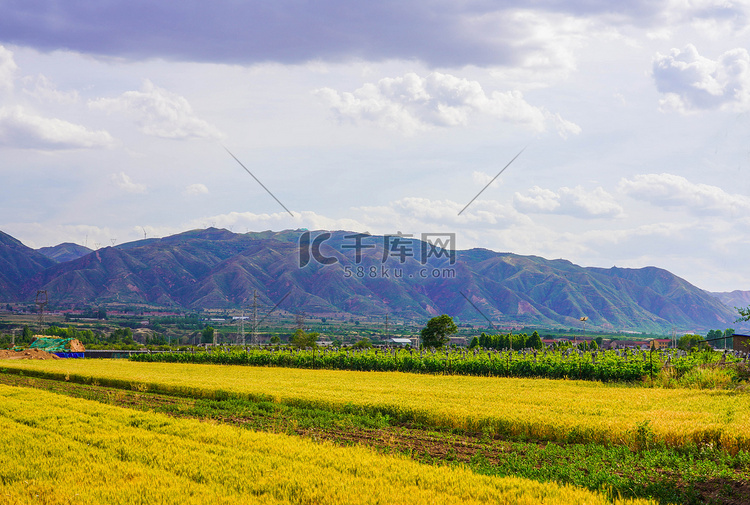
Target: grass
<point x="561" y="411"/>
<point x="61" y="450"/>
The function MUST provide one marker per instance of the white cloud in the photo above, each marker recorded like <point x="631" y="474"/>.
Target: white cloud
<point x="482" y="179"/>
<point x="123" y="181"/>
<point x="576" y="202"/>
<point x="159" y="113"/>
<point x="21" y="129"/>
<point x="196" y="189"/>
<point x="693" y="82"/>
<point x="240" y="222"/>
<point x="36" y="235"/>
<point x="669" y="190"/>
<point x="8" y="69"/>
<point x="411" y="103"/>
<point x="45" y="90"/>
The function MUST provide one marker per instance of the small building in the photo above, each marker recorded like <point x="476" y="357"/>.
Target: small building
<point x="399" y="341"/>
<point x="661" y="343"/>
<point x="629" y="344"/>
<point x="741" y="342"/>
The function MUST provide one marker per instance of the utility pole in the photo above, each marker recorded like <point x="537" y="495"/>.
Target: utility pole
<point x="583" y="320"/>
<point x="255" y="317"/>
<point x="242" y="327"/>
<point x="386" y="327"/>
<point x="41" y="303"/>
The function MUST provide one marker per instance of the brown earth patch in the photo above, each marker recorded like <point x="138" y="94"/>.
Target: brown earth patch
<point x="27" y="354"/>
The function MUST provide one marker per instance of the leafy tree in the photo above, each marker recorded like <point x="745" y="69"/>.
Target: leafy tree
<point x="27" y="334"/>
<point x="207" y="335"/>
<point x="690" y="342"/>
<point x="275" y="339"/>
<point x="474" y="342"/>
<point x="302" y="340"/>
<point x="438" y="330"/>
<point x="535" y="341"/>
<point x="363" y="344"/>
<point x="714" y="334"/>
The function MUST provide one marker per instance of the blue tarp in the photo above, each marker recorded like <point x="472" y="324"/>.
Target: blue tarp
<point x="69" y="354"/>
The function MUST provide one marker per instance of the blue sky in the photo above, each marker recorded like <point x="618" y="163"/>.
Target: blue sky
<point x="386" y="117"/>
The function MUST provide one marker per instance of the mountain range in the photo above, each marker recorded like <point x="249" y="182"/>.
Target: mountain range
<point x="343" y="273"/>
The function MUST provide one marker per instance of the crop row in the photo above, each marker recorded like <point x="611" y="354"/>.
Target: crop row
<point x="604" y="366"/>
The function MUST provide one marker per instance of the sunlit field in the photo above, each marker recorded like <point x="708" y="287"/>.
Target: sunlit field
<point x="60" y="450"/>
<point x="544" y="409"/>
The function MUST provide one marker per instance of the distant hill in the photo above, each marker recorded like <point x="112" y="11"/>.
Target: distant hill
<point x="18" y="263"/>
<point x="67" y="251"/>
<point x="215" y="268"/>
<point x="734" y="298"/>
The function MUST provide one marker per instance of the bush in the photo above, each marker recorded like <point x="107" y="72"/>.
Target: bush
<point x="707" y="378"/>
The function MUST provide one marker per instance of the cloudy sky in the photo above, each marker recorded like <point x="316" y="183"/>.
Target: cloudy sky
<point x="383" y="117"/>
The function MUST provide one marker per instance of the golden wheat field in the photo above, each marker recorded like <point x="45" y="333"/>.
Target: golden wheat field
<point x="61" y="450"/>
<point x="547" y="409"/>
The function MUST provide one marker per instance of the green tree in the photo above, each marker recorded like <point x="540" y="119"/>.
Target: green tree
<point x="474" y="343"/>
<point x="302" y="340"/>
<point x="275" y="339"/>
<point x="690" y="342"/>
<point x="714" y="334"/>
<point x="438" y="330"/>
<point x="207" y="335"/>
<point x="363" y="344"/>
<point x="535" y="341"/>
<point x="27" y="334"/>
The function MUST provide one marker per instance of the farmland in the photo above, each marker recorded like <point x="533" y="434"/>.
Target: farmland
<point x="65" y="450"/>
<point x="673" y="445"/>
<point x="566" y="411"/>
